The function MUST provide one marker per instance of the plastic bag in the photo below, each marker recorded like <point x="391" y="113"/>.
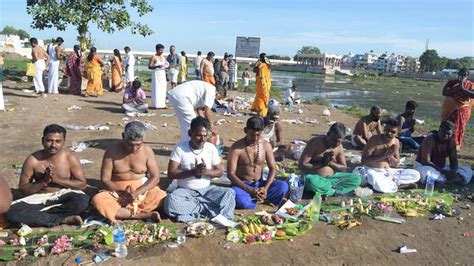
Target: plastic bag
<point x="296" y="187"/>
<point x="30" y="69"/>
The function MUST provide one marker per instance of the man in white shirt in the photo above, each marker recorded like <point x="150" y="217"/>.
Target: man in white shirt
<point x="197" y="65"/>
<point x="129" y="64"/>
<point x="190" y="98"/>
<point x="193" y="163"/>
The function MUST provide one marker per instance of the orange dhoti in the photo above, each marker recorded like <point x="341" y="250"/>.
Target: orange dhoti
<point x="106" y="202"/>
<point x="209" y="79"/>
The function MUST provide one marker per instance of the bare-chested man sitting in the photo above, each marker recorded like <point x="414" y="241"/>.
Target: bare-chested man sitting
<point x="130" y="175"/>
<point x="380" y="155"/>
<point x="435" y="149"/>
<point x="5" y="200"/>
<point x="321" y="158"/>
<point x="53" y="180"/>
<point x="367" y="127"/>
<point x="245" y="164"/>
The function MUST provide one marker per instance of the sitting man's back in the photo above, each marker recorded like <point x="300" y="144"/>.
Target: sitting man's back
<point x="53" y="180"/>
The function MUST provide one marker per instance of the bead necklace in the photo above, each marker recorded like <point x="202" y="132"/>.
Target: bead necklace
<point x="257" y="153"/>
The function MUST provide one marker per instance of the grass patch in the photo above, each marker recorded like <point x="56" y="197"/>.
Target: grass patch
<point x="319" y="101"/>
<point x="14" y="67"/>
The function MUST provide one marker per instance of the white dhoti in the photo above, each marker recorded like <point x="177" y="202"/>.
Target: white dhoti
<point x="173" y="75"/>
<point x="53" y="77"/>
<point x="130" y="74"/>
<point x="40" y="66"/>
<point x="464" y="171"/>
<point x="158" y="88"/>
<point x="387" y="180"/>
<point x="246" y="82"/>
<point x="185" y="113"/>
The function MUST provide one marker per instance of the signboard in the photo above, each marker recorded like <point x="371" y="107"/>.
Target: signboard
<point x="247" y="47"/>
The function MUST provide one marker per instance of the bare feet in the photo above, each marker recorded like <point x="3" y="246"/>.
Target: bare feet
<point x="155" y="217"/>
<point x="73" y="220"/>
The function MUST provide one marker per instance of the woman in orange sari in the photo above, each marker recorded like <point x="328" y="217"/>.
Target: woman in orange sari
<point x="94" y="74"/>
<point x="117" y="68"/>
<point x="457" y="104"/>
<point x="263" y="83"/>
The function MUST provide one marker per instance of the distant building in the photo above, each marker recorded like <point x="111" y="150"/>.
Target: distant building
<point x="11" y="41"/>
<point x="368" y="59"/>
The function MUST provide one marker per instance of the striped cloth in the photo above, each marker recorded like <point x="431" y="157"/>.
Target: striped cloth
<point x="187" y="205"/>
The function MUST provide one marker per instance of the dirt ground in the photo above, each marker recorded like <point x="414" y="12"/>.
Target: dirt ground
<point x="437" y="242"/>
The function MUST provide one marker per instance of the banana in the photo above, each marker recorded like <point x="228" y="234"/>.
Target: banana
<point x="259" y="229"/>
<point x="245" y="228"/>
<point x="252" y="229"/>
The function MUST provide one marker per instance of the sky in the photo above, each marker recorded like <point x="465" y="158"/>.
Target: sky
<point x="335" y="26"/>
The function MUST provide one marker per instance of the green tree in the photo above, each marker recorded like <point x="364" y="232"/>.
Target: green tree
<point x="307" y="50"/>
<point x="430" y="61"/>
<point x="23" y="34"/>
<point x="108" y="15"/>
<point x="7" y="30"/>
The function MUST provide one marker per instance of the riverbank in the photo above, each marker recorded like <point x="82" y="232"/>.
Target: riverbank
<point x="371" y="243"/>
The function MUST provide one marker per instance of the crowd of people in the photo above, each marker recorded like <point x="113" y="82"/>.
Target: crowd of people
<point x="52" y="180"/>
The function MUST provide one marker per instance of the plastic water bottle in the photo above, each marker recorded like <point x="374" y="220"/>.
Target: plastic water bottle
<point x="315" y="207"/>
<point x="119" y="240"/>
<point x="430" y="183"/>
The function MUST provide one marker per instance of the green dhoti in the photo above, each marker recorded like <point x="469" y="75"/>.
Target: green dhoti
<point x="339" y="183"/>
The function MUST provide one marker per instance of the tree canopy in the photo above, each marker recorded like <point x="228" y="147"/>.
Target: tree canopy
<point x="7" y="30"/>
<point x="307" y="50"/>
<point x="108" y="15"/>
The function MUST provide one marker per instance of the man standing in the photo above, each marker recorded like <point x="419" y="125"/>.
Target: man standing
<point x="197" y="65"/>
<point x="380" y="157"/>
<point x="129" y="64"/>
<point x="232" y="72"/>
<point x="435" y="149"/>
<point x="407" y="123"/>
<point x="190" y="98"/>
<point x="174" y="63"/>
<point x="367" y="127"/>
<point x="158" y="64"/>
<point x="52" y="179"/>
<point x="130" y="175"/>
<point x="55" y="55"/>
<point x="224" y="73"/>
<point x="206" y="69"/>
<point x="193" y="163"/>
<point x="39" y="58"/>
<point x="263" y="85"/>
<point x="321" y="158"/>
<point x="245" y="163"/>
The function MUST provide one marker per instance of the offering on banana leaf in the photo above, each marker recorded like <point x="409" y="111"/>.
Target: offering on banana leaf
<point x="414" y="203"/>
<point x="251" y="231"/>
<point x="200" y="229"/>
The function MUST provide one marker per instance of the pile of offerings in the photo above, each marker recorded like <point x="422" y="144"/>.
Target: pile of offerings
<point x="27" y="245"/>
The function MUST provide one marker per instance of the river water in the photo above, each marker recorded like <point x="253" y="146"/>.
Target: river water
<point x="310" y="86"/>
